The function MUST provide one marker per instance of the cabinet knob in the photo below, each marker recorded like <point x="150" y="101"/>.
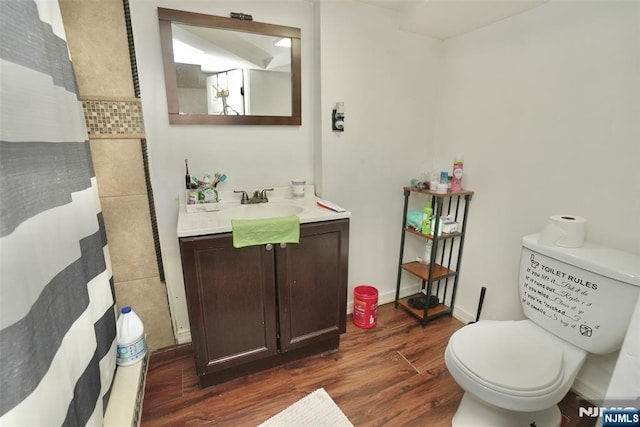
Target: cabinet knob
<point x="283" y="245"/>
<point x="268" y="246"/>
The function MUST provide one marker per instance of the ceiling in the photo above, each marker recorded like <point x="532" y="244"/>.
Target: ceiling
<point x="443" y="19"/>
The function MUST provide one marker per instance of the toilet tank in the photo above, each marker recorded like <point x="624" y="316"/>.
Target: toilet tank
<point x="584" y="295"/>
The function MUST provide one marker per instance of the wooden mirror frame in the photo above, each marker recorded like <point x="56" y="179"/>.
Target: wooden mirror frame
<point x="167" y="16"/>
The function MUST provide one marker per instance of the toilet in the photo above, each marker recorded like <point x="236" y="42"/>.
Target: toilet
<point x="576" y="301"/>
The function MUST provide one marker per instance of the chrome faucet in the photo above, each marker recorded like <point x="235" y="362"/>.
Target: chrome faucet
<point x="263" y="195"/>
<point x="255" y="198"/>
<point x="258" y="196"/>
<point x="245" y="198"/>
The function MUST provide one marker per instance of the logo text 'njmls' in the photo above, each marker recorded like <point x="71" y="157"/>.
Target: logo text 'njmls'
<point x="595" y="411"/>
<point x="613" y="417"/>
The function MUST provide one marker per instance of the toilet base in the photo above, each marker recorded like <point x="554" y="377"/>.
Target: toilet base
<point x="473" y="413"/>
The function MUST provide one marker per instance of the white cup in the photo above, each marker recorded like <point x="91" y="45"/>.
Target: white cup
<point x="297" y="188"/>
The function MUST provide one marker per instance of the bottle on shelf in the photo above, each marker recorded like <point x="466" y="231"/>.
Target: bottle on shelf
<point x="427" y="252"/>
<point x="426" y="219"/>
<point x="456" y="181"/>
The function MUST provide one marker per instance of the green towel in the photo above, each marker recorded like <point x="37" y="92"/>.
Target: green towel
<point x="251" y="232"/>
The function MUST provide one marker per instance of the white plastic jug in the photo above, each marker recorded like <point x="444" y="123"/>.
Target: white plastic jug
<point x="130" y="339"/>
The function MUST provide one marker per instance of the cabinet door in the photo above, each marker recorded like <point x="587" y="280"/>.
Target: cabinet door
<point x="312" y="284"/>
<point x="231" y="298"/>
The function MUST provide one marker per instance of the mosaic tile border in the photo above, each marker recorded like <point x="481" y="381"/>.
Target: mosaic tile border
<point x="113" y="118"/>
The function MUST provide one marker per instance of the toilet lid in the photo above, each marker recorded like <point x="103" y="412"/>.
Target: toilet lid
<point x="511" y="355"/>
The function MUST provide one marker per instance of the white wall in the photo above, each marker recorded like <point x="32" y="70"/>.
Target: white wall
<point x="545" y="107"/>
<point x="251" y="156"/>
<point x="387" y="81"/>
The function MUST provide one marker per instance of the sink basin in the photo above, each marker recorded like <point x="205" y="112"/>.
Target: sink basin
<point x="261" y="210"/>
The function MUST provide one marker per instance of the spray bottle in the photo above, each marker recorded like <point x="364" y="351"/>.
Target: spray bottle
<point x="456" y="181"/>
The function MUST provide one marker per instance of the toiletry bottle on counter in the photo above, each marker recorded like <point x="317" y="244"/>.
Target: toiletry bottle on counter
<point x="456" y="182"/>
<point x="193" y="197"/>
<point x="426" y="220"/>
<point x="187" y="177"/>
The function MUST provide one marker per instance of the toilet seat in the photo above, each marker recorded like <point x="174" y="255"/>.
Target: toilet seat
<point x="511" y="357"/>
<point x="486" y="359"/>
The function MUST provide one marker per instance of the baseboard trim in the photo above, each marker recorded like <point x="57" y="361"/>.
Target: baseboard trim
<point x="183" y="336"/>
<point x="384" y="298"/>
<point x="588" y="391"/>
<point x="390" y="296"/>
<point x="463" y="315"/>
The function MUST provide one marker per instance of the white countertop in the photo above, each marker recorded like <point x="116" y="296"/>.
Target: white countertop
<point x="202" y="223"/>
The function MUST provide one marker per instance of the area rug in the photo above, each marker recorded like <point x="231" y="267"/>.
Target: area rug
<point x="316" y="409"/>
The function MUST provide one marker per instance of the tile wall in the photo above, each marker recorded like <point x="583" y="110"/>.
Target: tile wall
<point x="111" y="117"/>
<point x="97" y="39"/>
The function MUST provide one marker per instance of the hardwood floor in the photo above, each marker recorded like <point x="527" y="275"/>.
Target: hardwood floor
<point x="391" y="375"/>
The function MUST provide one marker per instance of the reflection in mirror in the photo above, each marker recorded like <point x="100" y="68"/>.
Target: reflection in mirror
<point x="228" y="71"/>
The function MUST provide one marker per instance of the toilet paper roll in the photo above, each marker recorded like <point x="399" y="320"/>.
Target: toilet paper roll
<point x="567" y="231"/>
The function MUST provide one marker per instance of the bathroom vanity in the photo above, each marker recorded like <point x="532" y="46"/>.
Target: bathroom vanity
<point x="259" y="306"/>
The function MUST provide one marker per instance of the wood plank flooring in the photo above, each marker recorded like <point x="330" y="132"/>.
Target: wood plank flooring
<point x="391" y="375"/>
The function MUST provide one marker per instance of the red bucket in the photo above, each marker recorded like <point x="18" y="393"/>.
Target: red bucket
<point x="365" y="306"/>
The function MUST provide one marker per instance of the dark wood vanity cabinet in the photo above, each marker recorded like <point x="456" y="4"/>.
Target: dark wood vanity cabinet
<point x="256" y="307"/>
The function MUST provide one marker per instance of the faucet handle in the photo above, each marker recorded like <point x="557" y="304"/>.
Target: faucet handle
<point x="263" y="195"/>
<point x="245" y="197"/>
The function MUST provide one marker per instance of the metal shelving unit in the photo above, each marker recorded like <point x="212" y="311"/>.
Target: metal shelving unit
<point x="440" y="276"/>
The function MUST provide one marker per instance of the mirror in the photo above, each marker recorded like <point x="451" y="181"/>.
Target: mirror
<point x="230" y="71"/>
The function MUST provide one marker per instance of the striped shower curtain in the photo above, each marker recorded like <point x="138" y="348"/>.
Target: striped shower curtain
<point x="57" y="318"/>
